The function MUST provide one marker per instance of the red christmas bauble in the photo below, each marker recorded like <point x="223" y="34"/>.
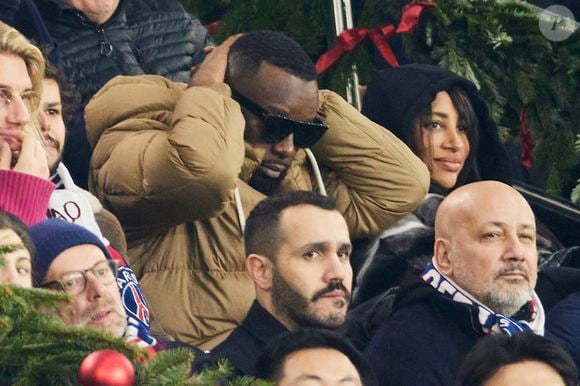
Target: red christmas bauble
<point x="106" y="368"/>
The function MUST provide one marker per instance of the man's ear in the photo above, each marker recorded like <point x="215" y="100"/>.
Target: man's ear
<point x="260" y="269"/>
<point x="441" y="254"/>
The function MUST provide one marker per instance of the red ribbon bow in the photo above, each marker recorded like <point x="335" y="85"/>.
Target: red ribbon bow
<point x="350" y="38"/>
<point x="527" y="143"/>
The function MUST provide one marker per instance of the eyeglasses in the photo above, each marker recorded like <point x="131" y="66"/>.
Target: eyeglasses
<point x="279" y="127"/>
<point x="73" y="283"/>
<point x="30" y="98"/>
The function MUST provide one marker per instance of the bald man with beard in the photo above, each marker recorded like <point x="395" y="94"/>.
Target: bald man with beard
<point x="480" y="281"/>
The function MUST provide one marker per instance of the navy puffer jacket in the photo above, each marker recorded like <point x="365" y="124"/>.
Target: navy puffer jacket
<point x="142" y="37"/>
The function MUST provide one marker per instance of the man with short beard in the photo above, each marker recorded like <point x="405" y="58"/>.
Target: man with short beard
<point x="480" y="281"/>
<point x="298" y="249"/>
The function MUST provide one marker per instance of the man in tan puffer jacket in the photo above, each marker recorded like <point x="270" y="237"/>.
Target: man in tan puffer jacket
<point x="181" y="166"/>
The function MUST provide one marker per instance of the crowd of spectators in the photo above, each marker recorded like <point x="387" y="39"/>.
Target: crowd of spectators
<point x="228" y="195"/>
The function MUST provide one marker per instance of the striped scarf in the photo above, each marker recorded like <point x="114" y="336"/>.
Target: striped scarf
<point x="529" y="317"/>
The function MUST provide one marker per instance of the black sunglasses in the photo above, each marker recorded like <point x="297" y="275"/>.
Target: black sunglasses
<point x="279" y="127"/>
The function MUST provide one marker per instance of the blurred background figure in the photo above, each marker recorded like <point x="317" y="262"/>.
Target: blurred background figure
<point x="313" y="355"/>
<point x="519" y="360"/>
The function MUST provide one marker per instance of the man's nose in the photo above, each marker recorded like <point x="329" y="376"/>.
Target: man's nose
<point x="335" y="269"/>
<point x="95" y="288"/>
<point x="18" y="113"/>
<point x="285" y="147"/>
<point x="44" y="125"/>
<point x="514" y="250"/>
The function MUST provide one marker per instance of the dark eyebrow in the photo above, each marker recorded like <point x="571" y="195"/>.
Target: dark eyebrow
<point x="317" y="245"/>
<point x="528" y="227"/>
<point x="440" y="114"/>
<point x="345" y="247"/>
<point x="51" y="105"/>
<point x="308" y="376"/>
<point x="303" y="377"/>
<point x="324" y="245"/>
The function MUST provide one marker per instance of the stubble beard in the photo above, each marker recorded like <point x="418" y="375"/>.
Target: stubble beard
<point x="504" y="298"/>
<point x="507" y="300"/>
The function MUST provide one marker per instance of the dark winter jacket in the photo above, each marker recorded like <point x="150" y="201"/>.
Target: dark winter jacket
<point x="559" y="290"/>
<point x="247" y="341"/>
<point x="401" y="251"/>
<point x="142" y="37"/>
<point x="23" y="15"/>
<point x="563" y="325"/>
<point x="424" y="341"/>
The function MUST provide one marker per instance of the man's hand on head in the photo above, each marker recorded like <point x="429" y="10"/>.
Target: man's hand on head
<point x="213" y="68"/>
<point x="32" y="160"/>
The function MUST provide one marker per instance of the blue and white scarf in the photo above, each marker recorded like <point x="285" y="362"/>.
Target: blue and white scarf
<point x="491" y="323"/>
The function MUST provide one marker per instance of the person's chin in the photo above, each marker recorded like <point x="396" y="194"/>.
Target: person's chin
<point x="445" y="182"/>
<point x="332" y="318"/>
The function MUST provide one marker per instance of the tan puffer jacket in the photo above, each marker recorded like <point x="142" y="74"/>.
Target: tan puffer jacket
<point x="166" y="161"/>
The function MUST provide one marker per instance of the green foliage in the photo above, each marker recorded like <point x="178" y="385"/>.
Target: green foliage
<point x="37" y="349"/>
<point x="497" y="44"/>
<point x="170" y="367"/>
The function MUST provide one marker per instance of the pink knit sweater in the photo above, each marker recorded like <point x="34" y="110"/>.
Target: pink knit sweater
<point x="25" y="195"/>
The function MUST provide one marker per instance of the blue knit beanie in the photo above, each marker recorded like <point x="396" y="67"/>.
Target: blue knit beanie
<point x="53" y="236"/>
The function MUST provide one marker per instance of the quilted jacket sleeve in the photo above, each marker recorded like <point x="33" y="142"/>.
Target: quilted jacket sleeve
<point x="375" y="178"/>
<point x="163" y="153"/>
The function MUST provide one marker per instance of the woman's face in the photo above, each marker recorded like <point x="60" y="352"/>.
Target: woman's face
<point x="443" y="142"/>
<point x="16" y="270"/>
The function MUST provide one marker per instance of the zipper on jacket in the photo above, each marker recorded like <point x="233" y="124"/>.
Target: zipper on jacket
<point x="105" y="46"/>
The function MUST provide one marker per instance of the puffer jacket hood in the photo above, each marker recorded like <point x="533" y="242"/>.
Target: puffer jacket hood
<point x="396" y="97"/>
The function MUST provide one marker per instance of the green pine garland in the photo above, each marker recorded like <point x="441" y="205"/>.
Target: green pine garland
<point x="496" y="44"/>
<point x="37" y="349"/>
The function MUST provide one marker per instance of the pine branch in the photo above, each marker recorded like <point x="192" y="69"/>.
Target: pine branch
<point x="170" y="367"/>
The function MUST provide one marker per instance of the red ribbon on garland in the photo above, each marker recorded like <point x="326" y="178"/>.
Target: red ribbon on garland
<point x="526" y="141"/>
<point x="350" y="38"/>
